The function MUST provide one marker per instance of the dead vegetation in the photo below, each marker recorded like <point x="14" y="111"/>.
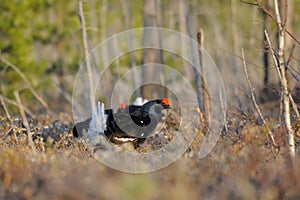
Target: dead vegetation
<point x="243" y="164"/>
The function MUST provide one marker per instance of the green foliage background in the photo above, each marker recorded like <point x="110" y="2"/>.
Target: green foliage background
<point x="36" y="36"/>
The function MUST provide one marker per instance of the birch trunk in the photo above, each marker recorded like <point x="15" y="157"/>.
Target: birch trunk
<point x="284" y="82"/>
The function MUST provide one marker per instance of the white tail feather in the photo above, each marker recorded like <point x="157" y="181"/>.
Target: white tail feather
<point x="98" y="122"/>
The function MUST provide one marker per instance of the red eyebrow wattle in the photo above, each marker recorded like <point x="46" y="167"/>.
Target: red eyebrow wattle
<point x="122" y="105"/>
<point x="165" y="101"/>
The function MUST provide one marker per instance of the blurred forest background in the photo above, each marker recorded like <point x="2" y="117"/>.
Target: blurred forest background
<point x="43" y="40"/>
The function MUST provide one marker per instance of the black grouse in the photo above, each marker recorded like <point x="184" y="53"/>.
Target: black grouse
<point x="131" y="123"/>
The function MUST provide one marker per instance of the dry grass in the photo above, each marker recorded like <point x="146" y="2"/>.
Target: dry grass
<point x="242" y="165"/>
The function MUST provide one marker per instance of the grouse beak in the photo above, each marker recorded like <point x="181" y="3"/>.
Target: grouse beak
<point x="166" y="106"/>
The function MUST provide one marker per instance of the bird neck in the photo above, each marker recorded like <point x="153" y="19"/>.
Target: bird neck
<point x="147" y="107"/>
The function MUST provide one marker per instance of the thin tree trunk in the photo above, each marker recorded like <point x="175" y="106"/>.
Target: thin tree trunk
<point x="126" y="11"/>
<point x="86" y="54"/>
<point x="279" y="60"/>
<point x="108" y="78"/>
<point x="265" y="47"/>
<point x="284" y="82"/>
<point x="287" y="8"/>
<point x="198" y="79"/>
<point x="183" y="27"/>
<point x="204" y="89"/>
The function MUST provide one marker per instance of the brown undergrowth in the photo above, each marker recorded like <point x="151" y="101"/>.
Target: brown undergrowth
<point x="242" y="165"/>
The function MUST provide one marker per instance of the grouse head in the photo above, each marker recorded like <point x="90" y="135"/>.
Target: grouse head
<point x="155" y="108"/>
<point x="152" y="110"/>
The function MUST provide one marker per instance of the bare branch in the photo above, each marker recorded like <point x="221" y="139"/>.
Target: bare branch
<point x="261" y="7"/>
<point x="254" y="101"/>
<point x="224" y="112"/>
<point x="295" y="74"/>
<point x="5" y="109"/>
<point x="25" y="122"/>
<point x="294" y="105"/>
<point x="247" y="61"/>
<point x="292" y="36"/>
<point x="16" y="104"/>
<point x="291" y="54"/>
<point x="249" y="3"/>
<point x="22" y="75"/>
<point x="273" y="54"/>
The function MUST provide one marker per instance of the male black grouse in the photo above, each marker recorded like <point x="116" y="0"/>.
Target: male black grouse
<point x="130" y="123"/>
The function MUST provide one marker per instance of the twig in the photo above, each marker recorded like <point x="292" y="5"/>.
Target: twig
<point x="22" y="75"/>
<point x="291" y="55"/>
<point x="7" y="132"/>
<point x="3" y="70"/>
<point x="294" y="105"/>
<point x="5" y="109"/>
<point x="275" y="60"/>
<point x="86" y="53"/>
<point x="63" y="93"/>
<point x="295" y="74"/>
<point x="249" y="3"/>
<point x="267" y="12"/>
<point x="254" y="101"/>
<point x="273" y="54"/>
<point x="16" y="104"/>
<point x="224" y="112"/>
<point x="292" y="36"/>
<point x="247" y="61"/>
<point x="25" y="122"/>
<point x="68" y="97"/>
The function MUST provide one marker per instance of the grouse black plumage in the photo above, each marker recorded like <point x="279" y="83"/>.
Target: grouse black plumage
<point x="130" y="123"/>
